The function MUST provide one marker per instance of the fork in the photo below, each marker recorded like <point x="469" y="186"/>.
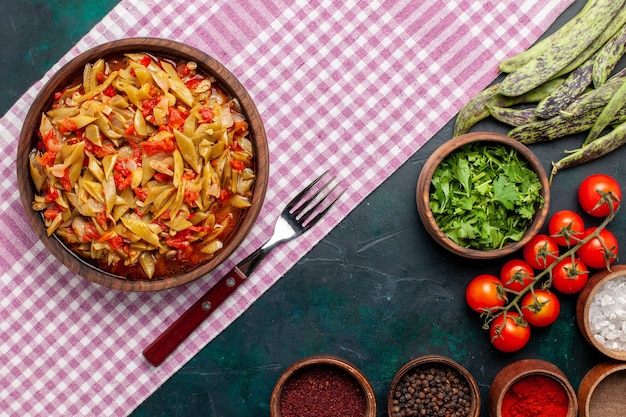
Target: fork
<point x="298" y="216"/>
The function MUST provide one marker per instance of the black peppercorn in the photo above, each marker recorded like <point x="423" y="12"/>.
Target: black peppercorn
<point x="431" y="391"/>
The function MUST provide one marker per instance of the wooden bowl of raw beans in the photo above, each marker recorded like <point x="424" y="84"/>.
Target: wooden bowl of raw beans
<point x="142" y="164"/>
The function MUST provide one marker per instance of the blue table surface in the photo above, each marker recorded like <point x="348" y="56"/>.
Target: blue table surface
<point x="376" y="291"/>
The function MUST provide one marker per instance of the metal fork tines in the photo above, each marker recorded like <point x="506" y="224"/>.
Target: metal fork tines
<point x="298" y="216"/>
<point x="297" y="213"/>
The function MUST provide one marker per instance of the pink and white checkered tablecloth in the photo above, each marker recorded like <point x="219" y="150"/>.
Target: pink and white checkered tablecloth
<point x="353" y="86"/>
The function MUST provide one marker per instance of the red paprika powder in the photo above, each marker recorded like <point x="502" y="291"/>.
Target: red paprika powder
<point x="535" y="396"/>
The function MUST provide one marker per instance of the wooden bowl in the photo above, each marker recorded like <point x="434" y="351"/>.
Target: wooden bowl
<point x="312" y="367"/>
<point x="426" y="363"/>
<point x="601" y="391"/>
<point x="521" y="369"/>
<point x="423" y="193"/>
<point x="163" y="49"/>
<point x="584" y="301"/>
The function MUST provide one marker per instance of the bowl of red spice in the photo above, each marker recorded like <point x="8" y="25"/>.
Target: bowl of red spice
<point x="600" y="312"/>
<point x="531" y="387"/>
<point x="322" y="385"/>
<point x="433" y="385"/>
<point x="601" y="391"/>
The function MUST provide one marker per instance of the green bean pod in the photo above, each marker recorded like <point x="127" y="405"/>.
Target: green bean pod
<point x="477" y="109"/>
<point x="609" y="33"/>
<point x="596" y="149"/>
<point x="563" y="50"/>
<point x="608" y="57"/>
<point x="512" y="117"/>
<point x="574" y="85"/>
<point x="516" y="61"/>
<point x="559" y="126"/>
<point x="474" y="110"/>
<point x="608" y="112"/>
<point x="556" y="127"/>
<point x="533" y="96"/>
<point x="595" y="98"/>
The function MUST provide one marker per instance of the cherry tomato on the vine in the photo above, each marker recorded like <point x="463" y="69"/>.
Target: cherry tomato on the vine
<point x="600" y="251"/>
<point x="566" y="227"/>
<point x="516" y="275"/>
<point x="510" y="335"/>
<point x="595" y="192"/>
<point x="540" y="309"/>
<point x="484" y="292"/>
<point x="569" y="276"/>
<point x="541" y="251"/>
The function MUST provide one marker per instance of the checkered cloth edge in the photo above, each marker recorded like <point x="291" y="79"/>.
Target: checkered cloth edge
<point x="354" y="87"/>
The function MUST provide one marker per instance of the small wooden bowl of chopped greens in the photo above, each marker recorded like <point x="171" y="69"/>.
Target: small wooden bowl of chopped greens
<point x="483" y="195"/>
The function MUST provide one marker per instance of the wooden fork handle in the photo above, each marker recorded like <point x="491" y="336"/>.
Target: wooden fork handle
<point x="179" y="330"/>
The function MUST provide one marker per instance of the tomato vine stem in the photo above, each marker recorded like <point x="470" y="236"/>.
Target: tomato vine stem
<point x="491" y="314"/>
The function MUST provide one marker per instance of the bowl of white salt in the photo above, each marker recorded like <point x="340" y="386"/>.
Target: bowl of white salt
<point x="601" y="312"/>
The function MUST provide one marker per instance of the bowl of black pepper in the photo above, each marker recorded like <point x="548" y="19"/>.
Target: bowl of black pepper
<point x="322" y="385"/>
<point x="433" y="385"/>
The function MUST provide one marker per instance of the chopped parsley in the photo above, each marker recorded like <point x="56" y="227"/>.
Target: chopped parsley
<point x="484" y="196"/>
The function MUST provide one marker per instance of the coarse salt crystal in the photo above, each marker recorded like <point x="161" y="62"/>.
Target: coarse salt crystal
<point x="607" y="315"/>
<point x="602" y="323"/>
<point x="607" y="300"/>
<point x="612" y="334"/>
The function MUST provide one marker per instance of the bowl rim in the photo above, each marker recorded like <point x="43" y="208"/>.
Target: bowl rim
<point x="441" y="360"/>
<point x="592" y="379"/>
<point x="424" y="185"/>
<point x="523" y="368"/>
<point x="162" y="48"/>
<point x="324" y="360"/>
<point x="583" y="303"/>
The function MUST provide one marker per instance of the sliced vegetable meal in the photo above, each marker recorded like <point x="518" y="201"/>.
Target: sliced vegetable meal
<point x="144" y="166"/>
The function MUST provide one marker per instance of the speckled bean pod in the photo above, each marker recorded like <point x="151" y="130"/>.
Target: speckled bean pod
<point x="574" y="85"/>
<point x="596" y="149"/>
<point x="595" y="98"/>
<point x="609" y="32"/>
<point x="474" y="110"/>
<point x="477" y="108"/>
<point x="608" y="113"/>
<point x="608" y="56"/>
<point x="533" y="96"/>
<point x="512" y="63"/>
<point x="562" y="50"/>
<point x="512" y="117"/>
<point x="559" y="126"/>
